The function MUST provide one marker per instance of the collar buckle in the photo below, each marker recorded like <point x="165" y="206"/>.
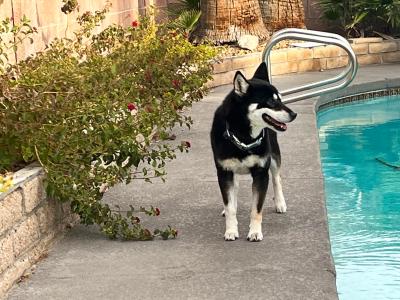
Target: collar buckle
<point x="242" y="146"/>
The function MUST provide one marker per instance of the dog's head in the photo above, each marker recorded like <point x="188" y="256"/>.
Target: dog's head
<point x="262" y="101"/>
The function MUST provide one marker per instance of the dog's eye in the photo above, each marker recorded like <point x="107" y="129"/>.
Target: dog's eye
<point x="268" y="103"/>
<point x="277" y="97"/>
<point x="271" y="102"/>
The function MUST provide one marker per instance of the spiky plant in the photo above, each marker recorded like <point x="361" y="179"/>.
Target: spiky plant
<point x="392" y="12"/>
<point x="357" y="16"/>
<point x="186" y="14"/>
<point x="187" y="20"/>
<point x="175" y="9"/>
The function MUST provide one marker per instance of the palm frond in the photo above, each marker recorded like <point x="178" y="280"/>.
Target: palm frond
<point x="187" y="20"/>
<point x="176" y="8"/>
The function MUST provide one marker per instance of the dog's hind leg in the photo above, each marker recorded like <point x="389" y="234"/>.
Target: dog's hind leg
<point x="260" y="186"/>
<point x="228" y="187"/>
<point x="279" y="199"/>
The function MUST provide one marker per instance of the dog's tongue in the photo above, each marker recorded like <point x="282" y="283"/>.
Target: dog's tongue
<point x="282" y="126"/>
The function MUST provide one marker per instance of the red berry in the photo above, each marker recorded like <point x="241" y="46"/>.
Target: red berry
<point x="157" y="211"/>
<point x="135" y="23"/>
<point x="176" y="83"/>
<point x="131" y="106"/>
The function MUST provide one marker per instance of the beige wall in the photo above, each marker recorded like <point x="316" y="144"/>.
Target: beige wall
<point x="47" y="17"/>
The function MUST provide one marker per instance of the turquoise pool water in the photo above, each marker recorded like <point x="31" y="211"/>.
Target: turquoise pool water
<point x="363" y="196"/>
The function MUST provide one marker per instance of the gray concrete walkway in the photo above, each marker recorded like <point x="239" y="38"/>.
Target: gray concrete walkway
<point x="292" y="262"/>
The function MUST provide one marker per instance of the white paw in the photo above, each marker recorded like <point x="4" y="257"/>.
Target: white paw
<point x="255" y="236"/>
<point x="231" y="235"/>
<point x="280" y="206"/>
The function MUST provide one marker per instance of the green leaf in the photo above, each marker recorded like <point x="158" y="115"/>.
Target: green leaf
<point x="114" y="69"/>
<point x="27" y="153"/>
<point x="187" y="20"/>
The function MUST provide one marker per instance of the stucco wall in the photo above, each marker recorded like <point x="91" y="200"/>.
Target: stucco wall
<point x="51" y="22"/>
<point x="47" y="17"/>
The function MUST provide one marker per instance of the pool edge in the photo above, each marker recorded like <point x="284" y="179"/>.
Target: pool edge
<point x="354" y="93"/>
<point x="358" y="92"/>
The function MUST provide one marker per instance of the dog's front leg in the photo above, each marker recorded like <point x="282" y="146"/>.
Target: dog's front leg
<point x="260" y="186"/>
<point x="279" y="199"/>
<point x="228" y="190"/>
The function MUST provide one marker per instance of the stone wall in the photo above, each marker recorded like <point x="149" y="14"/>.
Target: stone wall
<point x="297" y="60"/>
<point x="29" y="223"/>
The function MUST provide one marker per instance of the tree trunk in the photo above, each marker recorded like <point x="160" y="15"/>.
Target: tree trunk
<point x="279" y="14"/>
<point x="224" y="21"/>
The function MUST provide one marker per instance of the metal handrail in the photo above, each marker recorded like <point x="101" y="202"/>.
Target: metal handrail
<point x="346" y="77"/>
<point x="312" y="33"/>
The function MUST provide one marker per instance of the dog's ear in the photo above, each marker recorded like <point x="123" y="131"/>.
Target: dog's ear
<point x="262" y="72"/>
<point x="241" y="85"/>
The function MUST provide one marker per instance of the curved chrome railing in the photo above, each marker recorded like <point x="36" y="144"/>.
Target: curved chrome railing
<point x="345" y="78"/>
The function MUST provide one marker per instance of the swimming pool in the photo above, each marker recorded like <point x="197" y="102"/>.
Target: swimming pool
<point x="360" y="147"/>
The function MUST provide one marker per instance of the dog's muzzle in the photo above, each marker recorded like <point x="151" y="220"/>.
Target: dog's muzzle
<point x="280" y="126"/>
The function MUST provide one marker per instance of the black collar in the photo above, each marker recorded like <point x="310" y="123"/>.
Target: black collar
<point x="242" y="146"/>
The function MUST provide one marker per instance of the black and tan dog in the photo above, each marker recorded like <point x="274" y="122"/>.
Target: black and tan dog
<point x="244" y="140"/>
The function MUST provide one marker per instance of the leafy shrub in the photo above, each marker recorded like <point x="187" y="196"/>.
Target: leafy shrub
<point x="95" y="111"/>
<point x="10" y="37"/>
<point x="185" y="14"/>
<point x="69" y="6"/>
<point x="179" y="6"/>
<point x="187" y="20"/>
<point x="358" y="17"/>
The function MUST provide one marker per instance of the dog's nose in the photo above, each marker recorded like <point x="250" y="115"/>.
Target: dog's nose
<point x="293" y="115"/>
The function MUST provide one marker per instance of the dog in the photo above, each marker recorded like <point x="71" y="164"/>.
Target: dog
<point x="244" y="140"/>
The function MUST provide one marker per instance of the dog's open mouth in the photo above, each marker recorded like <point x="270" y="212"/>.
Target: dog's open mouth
<point x="276" y="124"/>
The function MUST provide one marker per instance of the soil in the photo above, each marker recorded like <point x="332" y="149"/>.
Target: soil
<point x="234" y="50"/>
<point x="15" y="167"/>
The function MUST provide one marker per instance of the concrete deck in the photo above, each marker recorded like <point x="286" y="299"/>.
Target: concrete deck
<point x="292" y="262"/>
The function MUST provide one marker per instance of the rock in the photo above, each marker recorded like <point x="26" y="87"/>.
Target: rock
<point x="249" y="42"/>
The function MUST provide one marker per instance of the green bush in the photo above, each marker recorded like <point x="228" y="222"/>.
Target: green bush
<point x="361" y="17"/>
<point x="185" y="15"/>
<point x="95" y="111"/>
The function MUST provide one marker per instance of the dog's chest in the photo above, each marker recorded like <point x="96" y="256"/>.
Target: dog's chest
<point x="243" y="166"/>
